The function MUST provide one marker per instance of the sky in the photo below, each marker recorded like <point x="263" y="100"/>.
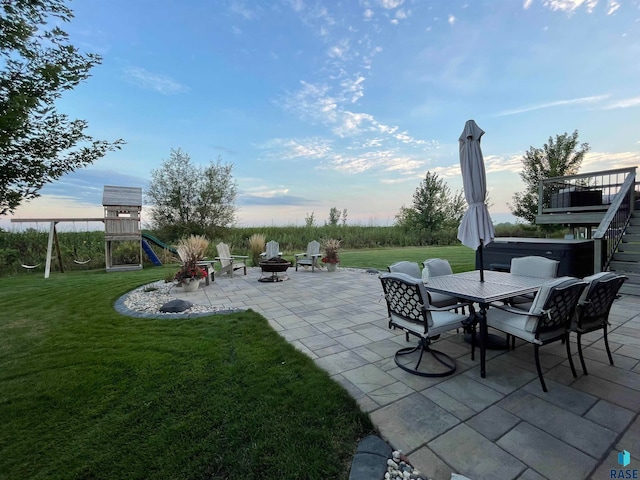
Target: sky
<point x="346" y="104"/>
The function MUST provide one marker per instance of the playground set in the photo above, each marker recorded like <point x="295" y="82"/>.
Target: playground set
<point x="122" y="208"/>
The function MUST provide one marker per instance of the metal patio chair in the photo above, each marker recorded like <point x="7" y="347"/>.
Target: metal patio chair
<point x="548" y="319"/>
<point x="593" y="309"/>
<point x="409" y="310"/>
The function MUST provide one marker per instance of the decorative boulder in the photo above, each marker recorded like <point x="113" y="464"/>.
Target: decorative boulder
<point x="176" y="306"/>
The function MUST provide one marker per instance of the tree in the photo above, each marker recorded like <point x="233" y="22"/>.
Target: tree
<point x="190" y="199"/>
<point x="434" y="206"/>
<point x="334" y="217"/>
<point x="37" y="64"/>
<point x="344" y="217"/>
<point x="555" y="159"/>
<point x="310" y="220"/>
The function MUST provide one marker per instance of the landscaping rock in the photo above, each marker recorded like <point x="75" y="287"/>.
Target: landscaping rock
<point x="176" y="306"/>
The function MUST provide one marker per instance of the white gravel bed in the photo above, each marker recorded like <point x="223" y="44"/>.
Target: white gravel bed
<point x="149" y="298"/>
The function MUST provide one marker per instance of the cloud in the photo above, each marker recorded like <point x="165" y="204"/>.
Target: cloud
<point x="270" y="197"/>
<point x="86" y="185"/>
<point x="569" y="6"/>
<point x="451" y="20"/>
<point x="339" y="50"/>
<point x="351" y="123"/>
<point x="598" y="161"/>
<point x="624" y="103"/>
<point x="239" y="8"/>
<point x="311" y="101"/>
<point x="385" y="160"/>
<point x="526" y="4"/>
<point x="390" y="4"/>
<point x="154" y="81"/>
<point x="558" y="103"/>
<point x="288" y="149"/>
<point x="612" y="6"/>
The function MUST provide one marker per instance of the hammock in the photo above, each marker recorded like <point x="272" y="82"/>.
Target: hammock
<point x="81" y="262"/>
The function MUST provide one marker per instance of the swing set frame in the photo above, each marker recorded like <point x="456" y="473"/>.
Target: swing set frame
<point x="53" y="238"/>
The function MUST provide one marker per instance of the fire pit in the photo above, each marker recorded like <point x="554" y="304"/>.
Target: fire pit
<point x="274" y="266"/>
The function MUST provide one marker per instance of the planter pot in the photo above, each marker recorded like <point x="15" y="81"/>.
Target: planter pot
<point x="331" y="267"/>
<point x="190" y="284"/>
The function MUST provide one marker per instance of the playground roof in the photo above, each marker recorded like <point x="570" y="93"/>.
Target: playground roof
<point x="121" y="196"/>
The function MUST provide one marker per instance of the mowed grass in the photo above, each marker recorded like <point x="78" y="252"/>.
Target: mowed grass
<point x="461" y="258"/>
<point x="86" y="393"/>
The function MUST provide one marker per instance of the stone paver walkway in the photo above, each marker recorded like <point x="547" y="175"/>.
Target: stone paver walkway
<point x="501" y="427"/>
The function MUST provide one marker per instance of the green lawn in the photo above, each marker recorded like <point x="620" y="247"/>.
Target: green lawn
<point x="86" y="393"/>
<point x="461" y="258"/>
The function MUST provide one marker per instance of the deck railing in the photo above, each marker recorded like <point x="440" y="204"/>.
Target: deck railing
<point x="583" y="192"/>
<point x="613" y="192"/>
<point x="609" y="233"/>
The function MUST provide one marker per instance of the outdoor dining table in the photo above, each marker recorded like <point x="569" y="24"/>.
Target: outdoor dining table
<point x="496" y="286"/>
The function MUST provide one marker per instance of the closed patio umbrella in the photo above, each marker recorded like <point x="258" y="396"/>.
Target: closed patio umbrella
<point x="475" y="229"/>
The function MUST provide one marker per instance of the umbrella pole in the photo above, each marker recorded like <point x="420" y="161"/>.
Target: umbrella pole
<point x="481" y="262"/>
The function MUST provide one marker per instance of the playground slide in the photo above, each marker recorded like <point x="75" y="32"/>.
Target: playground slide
<point x="159" y="243"/>
<point x="150" y="253"/>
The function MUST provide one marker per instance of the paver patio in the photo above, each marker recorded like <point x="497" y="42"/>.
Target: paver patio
<point x="499" y="427"/>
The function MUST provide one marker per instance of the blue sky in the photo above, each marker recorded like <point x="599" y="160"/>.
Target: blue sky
<point x="322" y="104"/>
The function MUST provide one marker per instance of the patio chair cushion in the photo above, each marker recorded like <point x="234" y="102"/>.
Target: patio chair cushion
<point x="408" y="268"/>
<point x="524" y="326"/>
<point x="437" y="267"/>
<point x="593" y="320"/>
<point x="592" y="281"/>
<point x="534" y="266"/>
<point x="531" y="266"/>
<point x="438" y="322"/>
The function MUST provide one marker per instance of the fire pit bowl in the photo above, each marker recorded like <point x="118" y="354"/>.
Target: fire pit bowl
<point x="274" y="266"/>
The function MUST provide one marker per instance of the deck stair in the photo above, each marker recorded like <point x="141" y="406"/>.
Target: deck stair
<point x="626" y="259"/>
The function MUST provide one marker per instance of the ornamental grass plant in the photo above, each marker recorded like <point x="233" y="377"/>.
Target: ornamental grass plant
<point x="88" y="393"/>
<point x="256" y="247"/>
<point x="331" y="247"/>
<point x="190" y="250"/>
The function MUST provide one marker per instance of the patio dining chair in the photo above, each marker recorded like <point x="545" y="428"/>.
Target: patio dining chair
<point x="310" y="257"/>
<point x="531" y="266"/>
<point x="409" y="310"/>
<point x="548" y="319"/>
<point x="435" y="267"/>
<point x="592" y="313"/>
<point x="230" y="263"/>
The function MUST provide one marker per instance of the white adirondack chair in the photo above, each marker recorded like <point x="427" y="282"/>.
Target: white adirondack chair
<point x="272" y="250"/>
<point x="310" y="257"/>
<point x="230" y="263"/>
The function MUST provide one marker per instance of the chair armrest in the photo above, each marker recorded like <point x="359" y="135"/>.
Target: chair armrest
<point x="316" y="255"/>
<point x="299" y="255"/>
<point x="240" y="256"/>
<point x="514" y="310"/>
<point x="451" y="307"/>
<point x="224" y="258"/>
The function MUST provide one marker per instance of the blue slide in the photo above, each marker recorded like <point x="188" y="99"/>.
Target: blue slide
<point x="150" y="253"/>
<point x="159" y="243"/>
